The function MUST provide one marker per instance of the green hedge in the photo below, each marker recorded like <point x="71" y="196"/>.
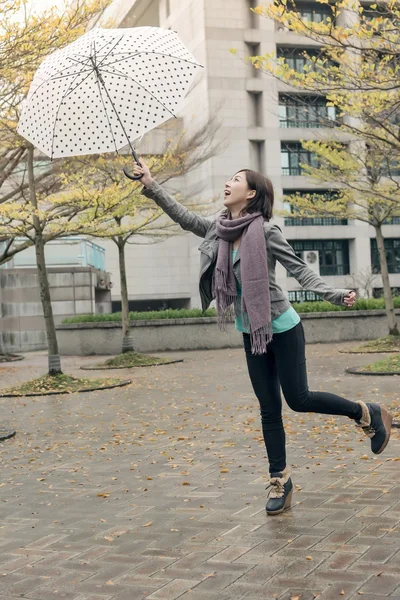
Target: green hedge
<point x="371" y="304"/>
<point x="300" y="307"/>
<point x="193" y="313"/>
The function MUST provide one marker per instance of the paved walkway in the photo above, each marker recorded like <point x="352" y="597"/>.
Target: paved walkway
<point x="157" y="490"/>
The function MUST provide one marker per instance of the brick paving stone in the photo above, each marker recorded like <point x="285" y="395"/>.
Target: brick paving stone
<point x="195" y="594"/>
<point x="382" y="585"/>
<point x="136" y="592"/>
<point x="172" y="590"/>
<point x="341" y="561"/>
<point x="209" y="539"/>
<point x="56" y="594"/>
<point x="216" y="581"/>
<point x="96" y="597"/>
<point x="380" y="554"/>
<point x="334" y="592"/>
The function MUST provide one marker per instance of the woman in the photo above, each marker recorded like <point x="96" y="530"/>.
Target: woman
<point x="238" y="258"/>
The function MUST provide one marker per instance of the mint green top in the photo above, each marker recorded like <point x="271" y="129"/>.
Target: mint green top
<point x="287" y="320"/>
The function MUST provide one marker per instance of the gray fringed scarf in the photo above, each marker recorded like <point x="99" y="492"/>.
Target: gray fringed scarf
<point x="256" y="303"/>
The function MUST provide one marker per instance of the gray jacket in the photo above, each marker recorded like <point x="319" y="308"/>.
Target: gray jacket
<point x="277" y="249"/>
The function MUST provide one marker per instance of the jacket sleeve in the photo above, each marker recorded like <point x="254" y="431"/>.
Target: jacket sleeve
<point x="296" y="266"/>
<point x="176" y="211"/>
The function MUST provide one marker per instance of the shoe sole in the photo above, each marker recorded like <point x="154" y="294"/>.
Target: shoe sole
<point x="387" y="421"/>
<point x="286" y="506"/>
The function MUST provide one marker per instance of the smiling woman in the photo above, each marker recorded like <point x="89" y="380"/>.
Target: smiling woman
<point x="249" y="192"/>
<point x="237" y="270"/>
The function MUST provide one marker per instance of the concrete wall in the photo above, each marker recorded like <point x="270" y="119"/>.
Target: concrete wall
<point x="82" y="339"/>
<point x="73" y="292"/>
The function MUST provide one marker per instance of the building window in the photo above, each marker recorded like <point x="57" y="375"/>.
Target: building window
<point x="314" y="12"/>
<point x="293" y="155"/>
<point x="392" y="246"/>
<point x="392" y="221"/>
<point x="333" y="255"/>
<point x="383" y="165"/>
<point x="296" y="110"/>
<point x="303" y="296"/>
<point x="295" y="221"/>
<point x="296" y="58"/>
<point x="378" y="292"/>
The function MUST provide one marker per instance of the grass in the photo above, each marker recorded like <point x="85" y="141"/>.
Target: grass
<point x="389" y="343"/>
<point x="196" y="313"/>
<point x="391" y="364"/>
<point x="60" y="383"/>
<point x="134" y="359"/>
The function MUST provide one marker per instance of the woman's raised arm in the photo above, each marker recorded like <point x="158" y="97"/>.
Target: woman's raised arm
<point x="188" y="220"/>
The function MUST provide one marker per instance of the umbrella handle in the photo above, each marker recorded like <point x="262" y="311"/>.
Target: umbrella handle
<point x="132" y="177"/>
<point x="128" y="175"/>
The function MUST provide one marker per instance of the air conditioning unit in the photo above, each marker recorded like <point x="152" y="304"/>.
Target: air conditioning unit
<point x="311" y="258"/>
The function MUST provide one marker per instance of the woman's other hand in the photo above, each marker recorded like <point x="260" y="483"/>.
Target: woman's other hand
<point x="143" y="169"/>
<point x="350" y="299"/>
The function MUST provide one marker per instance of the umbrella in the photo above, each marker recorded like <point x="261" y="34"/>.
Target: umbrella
<point x="105" y="90"/>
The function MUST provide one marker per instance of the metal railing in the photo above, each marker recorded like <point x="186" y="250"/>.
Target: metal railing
<point x="68" y="251"/>
<point x="304" y="221"/>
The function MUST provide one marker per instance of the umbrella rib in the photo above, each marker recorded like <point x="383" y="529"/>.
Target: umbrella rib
<point x="51" y="77"/>
<point x="108" y="53"/>
<point x="108" y="120"/>
<point x="116" y="113"/>
<point x="63" y="76"/>
<point x="191" y="62"/>
<point x="104" y="105"/>
<point x="143" y="88"/>
<point x="58" y="110"/>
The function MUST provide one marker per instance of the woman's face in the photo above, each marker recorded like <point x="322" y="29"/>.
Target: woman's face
<point x="237" y="193"/>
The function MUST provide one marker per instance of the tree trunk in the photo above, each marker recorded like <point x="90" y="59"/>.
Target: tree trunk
<point x="387" y="292"/>
<point x="127" y="341"/>
<point x="54" y="357"/>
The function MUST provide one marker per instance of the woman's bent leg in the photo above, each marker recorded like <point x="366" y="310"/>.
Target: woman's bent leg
<point x="289" y="349"/>
<point x="265" y="382"/>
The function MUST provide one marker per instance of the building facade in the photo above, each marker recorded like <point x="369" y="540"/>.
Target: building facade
<point x="261" y="125"/>
<point x="78" y="283"/>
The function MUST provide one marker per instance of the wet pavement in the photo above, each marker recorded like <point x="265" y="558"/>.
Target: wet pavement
<point x="157" y="490"/>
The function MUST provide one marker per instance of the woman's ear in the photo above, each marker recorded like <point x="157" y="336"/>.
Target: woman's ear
<point x="251" y="194"/>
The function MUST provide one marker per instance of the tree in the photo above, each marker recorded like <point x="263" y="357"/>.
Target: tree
<point x="25" y="39"/>
<point x="353" y="66"/>
<point x="364" y="279"/>
<point x="120" y="212"/>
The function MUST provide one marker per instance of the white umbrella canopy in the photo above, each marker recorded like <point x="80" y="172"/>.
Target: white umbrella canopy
<point x="105" y="90"/>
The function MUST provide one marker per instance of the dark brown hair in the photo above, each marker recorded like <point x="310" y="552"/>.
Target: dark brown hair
<point x="263" y="200"/>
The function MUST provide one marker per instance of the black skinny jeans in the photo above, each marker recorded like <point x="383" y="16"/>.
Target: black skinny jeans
<point x="284" y="364"/>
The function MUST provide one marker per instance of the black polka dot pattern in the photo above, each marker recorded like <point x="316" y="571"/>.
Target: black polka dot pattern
<point x="108" y="86"/>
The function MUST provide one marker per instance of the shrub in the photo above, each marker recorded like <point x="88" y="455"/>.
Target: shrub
<point x="195" y="313"/>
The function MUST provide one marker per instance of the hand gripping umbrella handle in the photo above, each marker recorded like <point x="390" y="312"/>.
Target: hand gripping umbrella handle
<point x="128" y="175"/>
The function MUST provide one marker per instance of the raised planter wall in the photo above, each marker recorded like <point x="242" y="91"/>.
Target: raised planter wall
<point x="82" y="339"/>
